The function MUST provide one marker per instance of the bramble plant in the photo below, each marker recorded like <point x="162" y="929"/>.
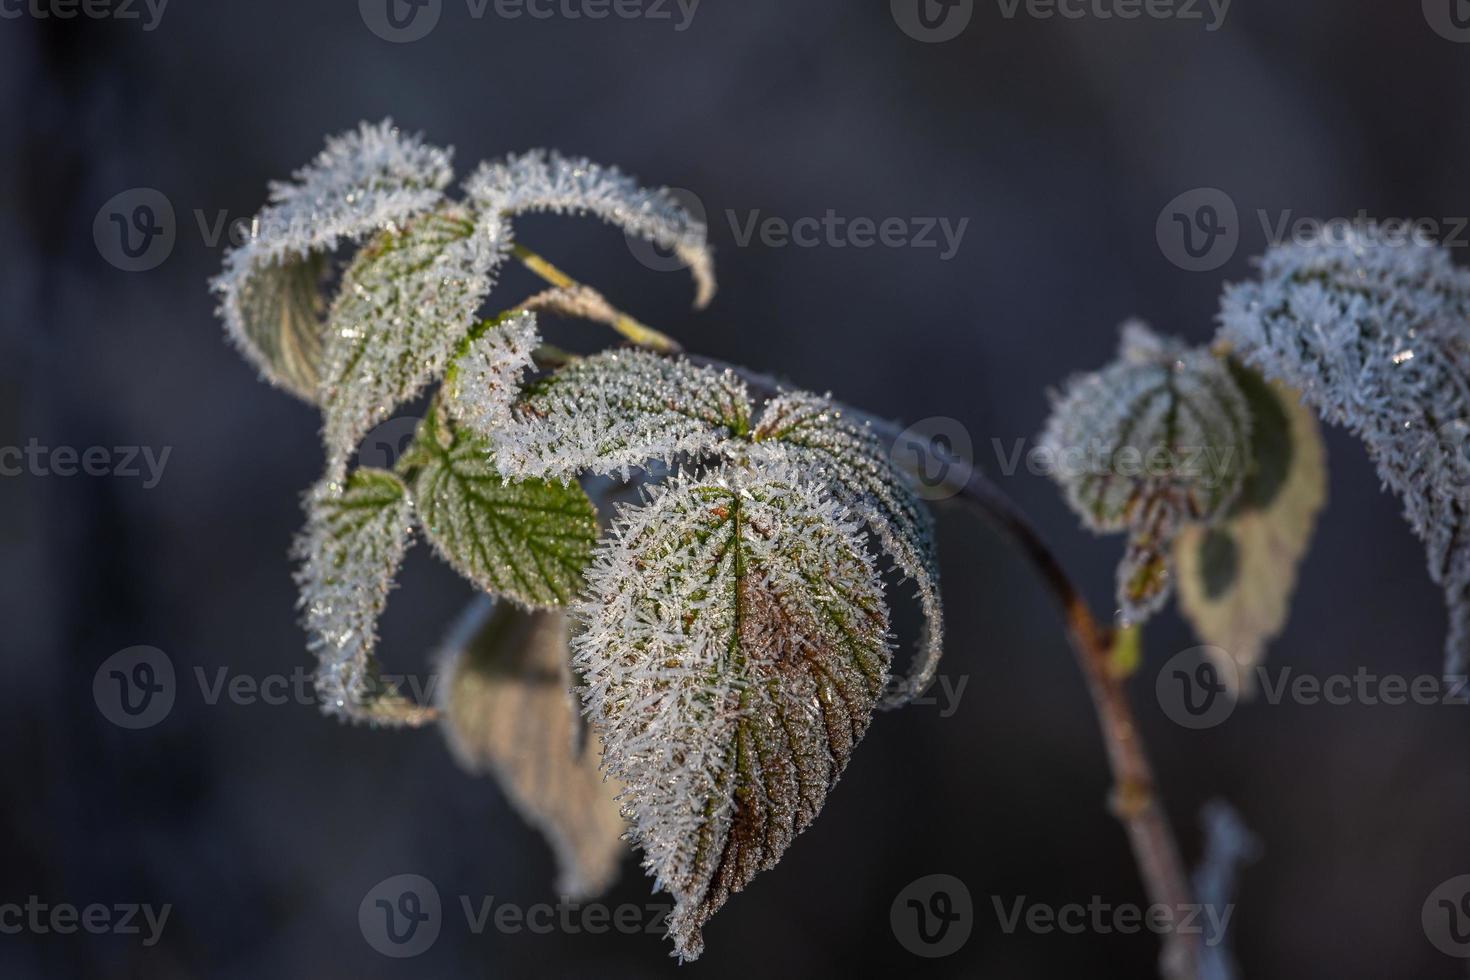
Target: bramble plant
<point x="725" y="627"/>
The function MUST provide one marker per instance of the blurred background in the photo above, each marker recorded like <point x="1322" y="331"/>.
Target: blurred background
<point x="1059" y="142"/>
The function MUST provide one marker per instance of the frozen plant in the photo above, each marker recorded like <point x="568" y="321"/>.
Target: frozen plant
<point x="686" y="656"/>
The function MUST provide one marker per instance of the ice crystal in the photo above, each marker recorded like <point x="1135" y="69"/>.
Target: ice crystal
<point x="617" y="410"/>
<point x="1372" y="330"/>
<point x="406" y="302"/>
<point x="508" y="709"/>
<point x="365" y="180"/>
<point x="1156" y="439"/>
<point x="541" y="181"/>
<point x="835" y="451"/>
<point x="735" y="645"/>
<point x="354" y="541"/>
<point x="486" y="377"/>
<point x="526" y="540"/>
<point x="1236" y="578"/>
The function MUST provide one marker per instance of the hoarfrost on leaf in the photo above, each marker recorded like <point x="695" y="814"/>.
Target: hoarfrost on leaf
<point x="1372" y="329"/>
<point x="527" y="540"/>
<point x="407" y="300"/>
<point x="365" y="180"/>
<point x="615" y="411"/>
<point x="350" y="550"/>
<point x="830" y="448"/>
<point x="1156" y="439"/>
<point x="542" y="181"/>
<point x="508" y="709"/>
<point x="735" y="645"/>
<point x="485" y="378"/>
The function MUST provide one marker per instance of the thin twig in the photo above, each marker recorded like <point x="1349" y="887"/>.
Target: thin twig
<point x="630" y="327"/>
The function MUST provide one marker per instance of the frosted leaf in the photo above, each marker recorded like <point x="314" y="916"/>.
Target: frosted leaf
<point x="615" y="411"/>
<point x="1236" y="578"/>
<point x="407" y="301"/>
<point x="365" y="180"/>
<point x="1373" y="332"/>
<point x="831" y="449"/>
<point x="735" y="647"/>
<point x="541" y="181"/>
<point x="508" y="710"/>
<point x="486" y="376"/>
<point x="1155" y="440"/>
<point x="350" y="550"/>
<point x="528" y="541"/>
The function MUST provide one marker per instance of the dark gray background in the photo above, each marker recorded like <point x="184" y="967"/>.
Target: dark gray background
<point x="1060" y="141"/>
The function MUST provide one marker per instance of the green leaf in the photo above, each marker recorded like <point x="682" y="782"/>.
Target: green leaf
<point x="350" y="550"/>
<point x="406" y="301"/>
<point x="508" y="710"/>
<point x="1236" y="579"/>
<point x="829" y="447"/>
<point x="617" y="410"/>
<point x="528" y="540"/>
<point x="1155" y="441"/>
<point x="735" y="647"/>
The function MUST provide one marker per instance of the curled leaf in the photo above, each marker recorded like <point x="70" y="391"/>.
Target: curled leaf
<point x="508" y="710"/>
<point x="1236" y="578"/>
<point x="406" y="302"/>
<point x="270" y="290"/>
<point x="527" y="540"/>
<point x="1372" y="329"/>
<point x="350" y="550"/>
<point x="828" y="447"/>
<point x="617" y="410"/>
<point x="735" y="647"/>
<point x="541" y="181"/>
<point x="1157" y="439"/>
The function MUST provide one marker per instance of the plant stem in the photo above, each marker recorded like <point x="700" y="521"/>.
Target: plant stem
<point x="1134" y="800"/>
<point x="630" y="327"/>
